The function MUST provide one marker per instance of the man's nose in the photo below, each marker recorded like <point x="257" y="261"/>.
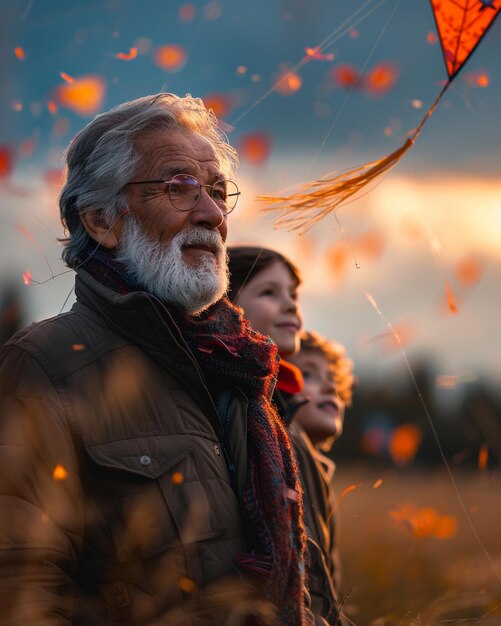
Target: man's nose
<point x="206" y="212"/>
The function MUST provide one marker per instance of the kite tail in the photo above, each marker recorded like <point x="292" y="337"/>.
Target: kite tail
<point x="316" y="199"/>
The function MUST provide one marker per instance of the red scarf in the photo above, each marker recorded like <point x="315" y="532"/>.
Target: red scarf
<point x="290" y="378"/>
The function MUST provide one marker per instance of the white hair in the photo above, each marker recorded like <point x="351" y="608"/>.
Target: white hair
<point x="161" y="270"/>
<point x="102" y="158"/>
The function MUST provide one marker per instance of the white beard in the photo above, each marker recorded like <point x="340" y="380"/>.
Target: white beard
<point x="161" y="270"/>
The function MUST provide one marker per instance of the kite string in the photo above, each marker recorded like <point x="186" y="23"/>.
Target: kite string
<point x="34" y="283"/>
<point x="436" y="437"/>
<point x="354" y="86"/>
<point x="430" y="112"/>
<point x="334" y="36"/>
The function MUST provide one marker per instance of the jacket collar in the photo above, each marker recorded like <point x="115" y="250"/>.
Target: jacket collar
<point x="146" y="322"/>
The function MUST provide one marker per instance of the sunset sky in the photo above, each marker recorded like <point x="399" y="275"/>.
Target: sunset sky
<point x="425" y="243"/>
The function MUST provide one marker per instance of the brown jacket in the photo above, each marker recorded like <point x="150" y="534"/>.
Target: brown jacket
<point x="116" y="502"/>
<point x="323" y="567"/>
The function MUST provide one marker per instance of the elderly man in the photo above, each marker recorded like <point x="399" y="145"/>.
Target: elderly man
<point x="145" y="477"/>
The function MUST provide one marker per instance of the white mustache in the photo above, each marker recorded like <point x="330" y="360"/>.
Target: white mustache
<point x="201" y="236"/>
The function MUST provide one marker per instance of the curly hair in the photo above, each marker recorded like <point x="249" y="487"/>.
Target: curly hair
<point x="102" y="158"/>
<point x="335" y="353"/>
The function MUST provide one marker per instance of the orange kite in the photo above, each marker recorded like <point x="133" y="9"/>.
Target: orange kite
<point x="461" y="26"/>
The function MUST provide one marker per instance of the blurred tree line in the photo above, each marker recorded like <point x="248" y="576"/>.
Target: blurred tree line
<point x="388" y="425"/>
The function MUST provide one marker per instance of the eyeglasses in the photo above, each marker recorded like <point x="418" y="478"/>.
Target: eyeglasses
<point x="184" y="192"/>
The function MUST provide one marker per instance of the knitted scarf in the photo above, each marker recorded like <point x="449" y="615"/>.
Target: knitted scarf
<point x="231" y="354"/>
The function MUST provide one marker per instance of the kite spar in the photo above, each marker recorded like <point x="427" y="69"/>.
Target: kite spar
<point x="461" y="25"/>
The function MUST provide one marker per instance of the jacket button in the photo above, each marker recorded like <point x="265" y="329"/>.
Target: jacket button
<point x="217" y="449"/>
<point x="145" y="460"/>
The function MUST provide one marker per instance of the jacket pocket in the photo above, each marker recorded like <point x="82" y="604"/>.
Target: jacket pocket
<point x="155" y="494"/>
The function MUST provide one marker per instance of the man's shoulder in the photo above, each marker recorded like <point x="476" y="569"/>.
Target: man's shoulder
<point x="63" y="343"/>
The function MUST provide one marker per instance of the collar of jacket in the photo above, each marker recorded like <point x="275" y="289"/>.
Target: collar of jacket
<point x="146" y="322"/>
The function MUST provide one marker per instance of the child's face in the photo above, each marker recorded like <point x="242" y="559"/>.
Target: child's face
<point x="270" y="303"/>
<point x="322" y="418"/>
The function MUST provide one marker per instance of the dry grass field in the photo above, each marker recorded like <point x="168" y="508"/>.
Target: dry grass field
<point x="410" y="555"/>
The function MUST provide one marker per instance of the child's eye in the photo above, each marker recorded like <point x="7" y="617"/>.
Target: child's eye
<point x="267" y="292"/>
<point x="307" y="375"/>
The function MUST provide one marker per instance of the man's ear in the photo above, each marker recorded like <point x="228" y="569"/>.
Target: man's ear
<point x="100" y="230"/>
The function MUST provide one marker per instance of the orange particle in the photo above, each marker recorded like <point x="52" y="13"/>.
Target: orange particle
<point x="241" y="70"/>
<point x="431" y="37"/>
<point x="315" y="53"/>
<point x="337" y="258"/>
<point x="52" y="106"/>
<point x="411" y="228"/>
<point x="444" y="381"/>
<point x="220" y="104"/>
<point x="453" y="308"/>
<point x="66" y="77"/>
<point x="84" y="96"/>
<point x="19" y="52"/>
<point x="54" y="177"/>
<point x="446" y="527"/>
<point x="370" y="245"/>
<point x="255" y="148"/>
<point x="187" y="12"/>
<point x="59" y="473"/>
<point x="401" y="335"/>
<point x="483" y="457"/>
<point x="288" y="82"/>
<point x="78" y="347"/>
<point x="373" y="441"/>
<point x="344" y="75"/>
<point x="24" y="232"/>
<point x="171" y="57"/>
<point x="6" y="161"/>
<point x="403" y="443"/>
<point x="27" y="278"/>
<point x="127" y="56"/>
<point x="378" y="483"/>
<point x="381" y="78"/>
<point x="304" y="247"/>
<point x="27" y="147"/>
<point x="349" y="489"/>
<point x="187" y="585"/>
<point x="423" y="522"/>
<point x="177" y="478"/>
<point x="468" y="271"/>
<point x="483" y="80"/>
<point x="479" y="78"/>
